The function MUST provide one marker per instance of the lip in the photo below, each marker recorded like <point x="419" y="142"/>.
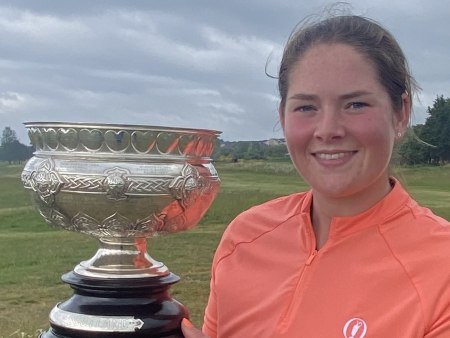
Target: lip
<point x="333" y="158"/>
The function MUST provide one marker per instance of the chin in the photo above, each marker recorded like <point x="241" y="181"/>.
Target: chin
<point x="335" y="189"/>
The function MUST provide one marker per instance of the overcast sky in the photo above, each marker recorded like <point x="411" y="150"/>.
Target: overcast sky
<point x="186" y="63"/>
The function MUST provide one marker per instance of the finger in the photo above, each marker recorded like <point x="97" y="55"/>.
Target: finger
<point x="189" y="331"/>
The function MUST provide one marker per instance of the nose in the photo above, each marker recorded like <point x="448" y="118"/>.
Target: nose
<point x="329" y="125"/>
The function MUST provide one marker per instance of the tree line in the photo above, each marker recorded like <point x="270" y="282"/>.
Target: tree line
<point x="423" y="144"/>
<point x="249" y="150"/>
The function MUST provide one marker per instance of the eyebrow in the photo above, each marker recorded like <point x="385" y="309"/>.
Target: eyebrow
<point x="300" y="96"/>
<point x="354" y="94"/>
<point x="311" y="97"/>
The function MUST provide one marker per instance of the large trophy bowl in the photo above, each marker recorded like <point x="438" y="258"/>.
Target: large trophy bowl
<point x="121" y="184"/>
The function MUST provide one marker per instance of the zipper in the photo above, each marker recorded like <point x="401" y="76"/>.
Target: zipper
<point x="299" y="288"/>
<point x="311" y="257"/>
<point x="285" y="318"/>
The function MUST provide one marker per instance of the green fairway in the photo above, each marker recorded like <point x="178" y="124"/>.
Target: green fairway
<point x="34" y="255"/>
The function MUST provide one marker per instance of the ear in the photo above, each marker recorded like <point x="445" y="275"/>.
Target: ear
<point x="404" y="115"/>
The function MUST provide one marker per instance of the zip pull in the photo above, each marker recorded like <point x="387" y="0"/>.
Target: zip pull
<point x="311" y="257"/>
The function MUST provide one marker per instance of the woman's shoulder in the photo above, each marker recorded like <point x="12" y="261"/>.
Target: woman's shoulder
<point x="416" y="229"/>
<point x="263" y="219"/>
<point x="271" y="213"/>
<point x="281" y="207"/>
<point x="420" y="241"/>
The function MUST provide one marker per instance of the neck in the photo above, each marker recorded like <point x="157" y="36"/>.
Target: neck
<point x="325" y="207"/>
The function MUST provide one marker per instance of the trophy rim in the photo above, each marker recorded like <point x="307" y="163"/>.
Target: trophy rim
<point x="137" y="127"/>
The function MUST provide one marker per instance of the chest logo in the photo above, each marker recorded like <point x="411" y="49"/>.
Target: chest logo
<point x="355" y="328"/>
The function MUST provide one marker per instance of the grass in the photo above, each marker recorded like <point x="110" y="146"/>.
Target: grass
<point x="34" y="255"/>
<point x="430" y="186"/>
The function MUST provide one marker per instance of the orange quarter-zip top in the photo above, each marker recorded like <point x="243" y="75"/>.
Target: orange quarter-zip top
<point x="382" y="273"/>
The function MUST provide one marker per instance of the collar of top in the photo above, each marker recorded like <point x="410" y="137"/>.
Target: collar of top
<point x="381" y="212"/>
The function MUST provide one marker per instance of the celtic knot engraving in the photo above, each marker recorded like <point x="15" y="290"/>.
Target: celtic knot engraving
<point x="26" y="179"/>
<point x="145" y="185"/>
<point x="45" y="181"/>
<point x="117" y="183"/>
<point x="189" y="186"/>
<point x="82" y="183"/>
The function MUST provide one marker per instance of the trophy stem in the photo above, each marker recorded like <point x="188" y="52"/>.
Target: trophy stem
<point x="122" y="257"/>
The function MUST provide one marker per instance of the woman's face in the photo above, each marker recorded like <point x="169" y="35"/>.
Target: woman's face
<point x="339" y="123"/>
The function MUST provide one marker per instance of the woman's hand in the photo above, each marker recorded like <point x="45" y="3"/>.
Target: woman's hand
<point x="189" y="331"/>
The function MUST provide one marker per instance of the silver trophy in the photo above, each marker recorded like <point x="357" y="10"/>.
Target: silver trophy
<point x="121" y="184"/>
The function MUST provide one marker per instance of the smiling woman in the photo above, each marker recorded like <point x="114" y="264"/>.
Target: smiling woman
<point x="355" y="256"/>
<point x="340" y="126"/>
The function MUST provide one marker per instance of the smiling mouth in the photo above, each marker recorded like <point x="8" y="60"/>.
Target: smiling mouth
<point x="333" y="156"/>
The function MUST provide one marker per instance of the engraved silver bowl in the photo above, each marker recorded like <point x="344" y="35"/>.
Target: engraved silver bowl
<point x="121" y="184"/>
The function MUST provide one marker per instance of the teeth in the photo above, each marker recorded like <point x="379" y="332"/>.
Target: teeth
<point x="330" y="156"/>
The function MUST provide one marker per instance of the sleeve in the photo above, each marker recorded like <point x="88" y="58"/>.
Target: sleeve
<point x="210" y="318"/>
<point x="436" y="291"/>
<point x="440" y="329"/>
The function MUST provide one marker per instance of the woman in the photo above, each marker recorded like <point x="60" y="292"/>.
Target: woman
<point x="355" y="256"/>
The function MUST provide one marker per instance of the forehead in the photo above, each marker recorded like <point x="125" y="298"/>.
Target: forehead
<point x="333" y="65"/>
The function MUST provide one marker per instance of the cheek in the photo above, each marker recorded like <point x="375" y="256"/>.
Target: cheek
<point x="376" y="134"/>
<point x="297" y="133"/>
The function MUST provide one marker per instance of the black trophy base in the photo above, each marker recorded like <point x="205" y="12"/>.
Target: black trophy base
<point x="118" y="308"/>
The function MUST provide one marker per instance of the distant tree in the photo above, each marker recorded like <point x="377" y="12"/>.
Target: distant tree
<point x="8" y="136"/>
<point x="11" y="150"/>
<point x="240" y="150"/>
<point x="436" y="130"/>
<point x="428" y="143"/>
<point x="217" y="149"/>
<point x="255" y="151"/>
<point x="412" y="150"/>
<point x="277" y="151"/>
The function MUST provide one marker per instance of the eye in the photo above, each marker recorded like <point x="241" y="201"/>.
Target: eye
<point x="356" y="105"/>
<point x="305" y="108"/>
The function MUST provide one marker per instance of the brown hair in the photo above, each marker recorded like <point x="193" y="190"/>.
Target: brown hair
<point x="363" y="34"/>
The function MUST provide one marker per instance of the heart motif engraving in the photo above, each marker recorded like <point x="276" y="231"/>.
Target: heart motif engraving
<point x="51" y="138"/>
<point x="91" y="139"/>
<point x="188" y="144"/>
<point x="143" y="142"/>
<point x="117" y="140"/>
<point x="167" y="143"/>
<point x="68" y="138"/>
<point x="36" y="138"/>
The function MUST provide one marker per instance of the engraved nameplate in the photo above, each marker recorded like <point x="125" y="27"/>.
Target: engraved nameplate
<point x="78" y="321"/>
